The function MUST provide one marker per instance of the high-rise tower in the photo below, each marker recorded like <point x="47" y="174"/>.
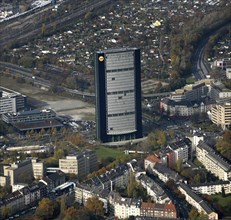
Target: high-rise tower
<point x="118" y="94"/>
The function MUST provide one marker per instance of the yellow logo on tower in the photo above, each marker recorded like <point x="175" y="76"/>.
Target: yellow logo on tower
<point x="101" y="58"/>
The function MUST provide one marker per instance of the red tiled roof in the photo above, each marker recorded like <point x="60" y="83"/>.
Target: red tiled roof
<point x="147" y="205"/>
<point x="153" y="159"/>
<point x="170" y="206"/>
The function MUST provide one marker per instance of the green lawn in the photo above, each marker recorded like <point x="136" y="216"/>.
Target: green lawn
<point x="224" y="202"/>
<point x="104" y="152"/>
<point x="190" y="80"/>
<point x="197" y="163"/>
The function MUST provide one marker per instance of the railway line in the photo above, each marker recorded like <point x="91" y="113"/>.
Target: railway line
<point x="22" y="33"/>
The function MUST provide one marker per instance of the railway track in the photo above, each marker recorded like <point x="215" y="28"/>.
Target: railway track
<point x="23" y="33"/>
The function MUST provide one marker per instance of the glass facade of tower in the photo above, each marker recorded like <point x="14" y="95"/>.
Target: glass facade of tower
<point x="118" y="94"/>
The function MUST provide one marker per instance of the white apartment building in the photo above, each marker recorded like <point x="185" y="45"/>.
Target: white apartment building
<point x="221" y="114"/>
<point x="125" y="207"/>
<point x="196" y="201"/>
<point x="212" y="188"/>
<point x="153" y="189"/>
<point x="213" y="162"/>
<point x="83" y="193"/>
<point x="181" y="150"/>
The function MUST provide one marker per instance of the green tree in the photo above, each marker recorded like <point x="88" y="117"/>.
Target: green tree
<point x="197" y="178"/>
<point x="195" y="215"/>
<point x="27" y="61"/>
<point x="43" y="29"/>
<point x="224" y="145"/>
<point x="171" y="133"/>
<point x="179" y="165"/>
<point x="132" y="184"/>
<point x="71" y="214"/>
<point x="47" y="209"/>
<point x="42" y="132"/>
<point x="59" y="153"/>
<point x="5" y="211"/>
<point x="95" y="206"/>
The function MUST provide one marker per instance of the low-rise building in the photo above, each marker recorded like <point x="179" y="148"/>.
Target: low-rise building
<point x="29" y="116"/>
<point x="213" y="162"/>
<point x="150" y="161"/>
<point x="196" y="201"/>
<point x="32" y="120"/>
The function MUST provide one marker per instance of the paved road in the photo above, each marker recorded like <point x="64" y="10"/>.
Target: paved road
<point x="201" y="68"/>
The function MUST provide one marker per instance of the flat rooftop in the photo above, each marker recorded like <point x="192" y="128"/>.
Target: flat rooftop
<point x="25" y="126"/>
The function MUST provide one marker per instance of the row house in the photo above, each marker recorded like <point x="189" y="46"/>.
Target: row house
<point x="167" y="210"/>
<point x="196" y="201"/>
<point x="212" y="188"/>
<point x="127" y="207"/>
<point x="117" y="177"/>
<point x="25" y="197"/>
<point x="213" y="162"/>
<point x="164" y="173"/>
<point x="124" y="207"/>
<point x="33" y="192"/>
<point x="84" y="192"/>
<point x="153" y="188"/>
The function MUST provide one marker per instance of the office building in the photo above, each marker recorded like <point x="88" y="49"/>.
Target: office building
<point x="118" y="94"/>
<point x="82" y="164"/>
<point x="38" y="168"/>
<point x="11" y="101"/>
<point x="19" y="171"/>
